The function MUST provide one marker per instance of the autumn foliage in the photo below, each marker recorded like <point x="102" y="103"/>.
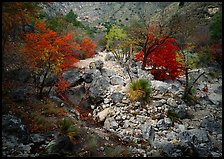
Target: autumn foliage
<point x="45" y="47"/>
<point x="216" y="52"/>
<point x="163" y="59"/>
<point x="87" y="48"/>
<point x="46" y="51"/>
<point x="62" y="86"/>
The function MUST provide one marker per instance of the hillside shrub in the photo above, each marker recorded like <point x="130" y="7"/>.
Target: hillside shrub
<point x="140" y="89"/>
<point x="216" y="27"/>
<point x="66" y="127"/>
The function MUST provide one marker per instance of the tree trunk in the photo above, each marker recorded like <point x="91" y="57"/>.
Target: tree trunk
<point x="144" y="61"/>
<point x="131" y="52"/>
<point x="187" y="80"/>
<point x="42" y="84"/>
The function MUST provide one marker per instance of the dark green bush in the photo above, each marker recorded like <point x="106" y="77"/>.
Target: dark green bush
<point x="216" y="26"/>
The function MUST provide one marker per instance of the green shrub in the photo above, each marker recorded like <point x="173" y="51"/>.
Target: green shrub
<point x="71" y="18"/>
<point x="66" y="127"/>
<point x="216" y="26"/>
<point x="140" y="89"/>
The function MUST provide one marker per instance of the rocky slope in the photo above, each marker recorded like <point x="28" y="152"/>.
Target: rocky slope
<point x="99" y="14"/>
<point x="145" y="130"/>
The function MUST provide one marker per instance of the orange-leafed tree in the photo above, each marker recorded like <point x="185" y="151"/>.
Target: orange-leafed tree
<point x="47" y="52"/>
<point x="87" y="48"/>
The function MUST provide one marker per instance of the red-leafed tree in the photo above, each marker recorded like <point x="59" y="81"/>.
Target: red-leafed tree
<point x="162" y="57"/>
<point x="47" y="52"/>
<point x="87" y="48"/>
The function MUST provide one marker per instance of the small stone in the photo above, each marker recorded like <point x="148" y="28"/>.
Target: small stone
<point x="168" y="122"/>
<point x="219" y="136"/>
<point x="103" y="114"/>
<point x="125" y="101"/>
<point x="181" y="127"/>
<point x="118" y="117"/>
<point x="126" y="124"/>
<point x="137" y="104"/>
<point x="107" y="138"/>
<point x="92" y="106"/>
<point x="215" y="154"/>
<point x="123" y="117"/>
<point x="171" y="102"/>
<point x="101" y="148"/>
<point x="106" y="100"/>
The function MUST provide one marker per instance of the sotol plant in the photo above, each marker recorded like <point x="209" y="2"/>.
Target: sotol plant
<point x="67" y="128"/>
<point x="140" y="89"/>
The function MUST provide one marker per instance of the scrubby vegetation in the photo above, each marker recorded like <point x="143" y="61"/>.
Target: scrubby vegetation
<point x="140" y="89"/>
<point x="67" y="127"/>
<point x="40" y="51"/>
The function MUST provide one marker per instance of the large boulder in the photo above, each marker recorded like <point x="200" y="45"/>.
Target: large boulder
<point x="75" y="94"/>
<point x="97" y="65"/>
<point x="160" y="86"/>
<point x="13" y="125"/>
<point x="116" y="80"/>
<point x="108" y="73"/>
<point x="58" y="147"/>
<point x="199" y="139"/>
<point x="215" y="98"/>
<point x="109" y="57"/>
<point x="212" y="125"/>
<point x="98" y="89"/>
<point x="148" y="132"/>
<point x="73" y="76"/>
<point x="117" y="97"/>
<point x="93" y="72"/>
<point x="195" y="136"/>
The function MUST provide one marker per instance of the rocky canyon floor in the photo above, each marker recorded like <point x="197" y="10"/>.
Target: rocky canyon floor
<point x="112" y="125"/>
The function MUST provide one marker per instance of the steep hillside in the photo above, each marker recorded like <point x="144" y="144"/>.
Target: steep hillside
<point x="198" y="13"/>
<point x="101" y="13"/>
